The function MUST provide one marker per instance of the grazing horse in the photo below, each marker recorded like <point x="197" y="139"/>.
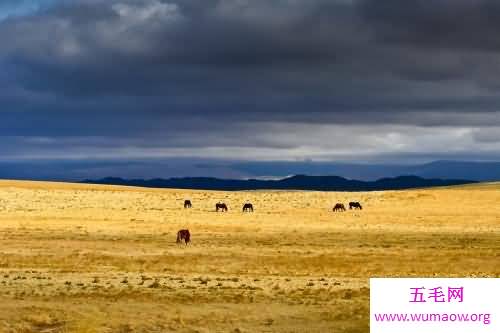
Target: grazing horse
<point x="355" y="205"/>
<point x="339" y="207"/>
<point x="183" y="235"/>
<point x="248" y="207"/>
<point x="222" y="206"/>
<point x="187" y="204"/>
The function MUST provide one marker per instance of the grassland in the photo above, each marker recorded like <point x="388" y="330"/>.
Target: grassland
<point x="85" y="258"/>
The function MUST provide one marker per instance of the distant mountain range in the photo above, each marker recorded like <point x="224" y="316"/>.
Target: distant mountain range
<point x="299" y="182"/>
<point x="78" y="170"/>
<point x="478" y="171"/>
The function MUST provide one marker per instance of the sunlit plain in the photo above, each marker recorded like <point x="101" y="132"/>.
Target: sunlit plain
<point x="89" y="258"/>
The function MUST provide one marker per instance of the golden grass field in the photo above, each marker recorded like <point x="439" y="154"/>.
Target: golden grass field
<point x="88" y="258"/>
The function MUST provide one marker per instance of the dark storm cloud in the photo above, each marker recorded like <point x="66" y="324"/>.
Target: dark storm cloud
<point x="282" y="54"/>
<point x="186" y="48"/>
<point x="286" y="78"/>
<point x="453" y="24"/>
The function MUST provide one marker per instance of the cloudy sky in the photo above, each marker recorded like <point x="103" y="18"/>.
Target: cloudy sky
<point x="182" y="87"/>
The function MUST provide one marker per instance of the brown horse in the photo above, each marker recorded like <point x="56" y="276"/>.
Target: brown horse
<point x="248" y="207"/>
<point x="187" y="204"/>
<point x="339" y="208"/>
<point x="355" y="205"/>
<point x="183" y="235"/>
<point x="221" y="206"/>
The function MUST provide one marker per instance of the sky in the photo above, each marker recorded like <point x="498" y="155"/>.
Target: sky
<point x="161" y="88"/>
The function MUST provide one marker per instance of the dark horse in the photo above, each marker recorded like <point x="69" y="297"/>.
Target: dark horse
<point x="221" y="206"/>
<point x="355" y="205"/>
<point x="183" y="235"/>
<point x="339" y="207"/>
<point x="248" y="207"/>
<point x="187" y="204"/>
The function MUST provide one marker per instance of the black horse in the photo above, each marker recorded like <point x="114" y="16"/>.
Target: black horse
<point x="355" y="205"/>
<point x="221" y="206"/>
<point x="248" y="207"/>
<point x="339" y="208"/>
<point x="187" y="204"/>
<point x="183" y="235"/>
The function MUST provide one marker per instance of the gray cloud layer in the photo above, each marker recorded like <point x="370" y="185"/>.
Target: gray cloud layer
<point x="254" y="79"/>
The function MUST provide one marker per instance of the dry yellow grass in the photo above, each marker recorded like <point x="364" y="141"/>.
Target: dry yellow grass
<point x="85" y="258"/>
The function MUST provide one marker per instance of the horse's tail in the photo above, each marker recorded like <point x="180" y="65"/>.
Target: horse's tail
<point x="178" y="237"/>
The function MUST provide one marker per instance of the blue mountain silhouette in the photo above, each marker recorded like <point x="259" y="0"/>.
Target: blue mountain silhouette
<point x="298" y="182"/>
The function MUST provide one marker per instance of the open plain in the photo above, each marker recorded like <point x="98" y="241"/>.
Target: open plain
<point x="88" y="258"/>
